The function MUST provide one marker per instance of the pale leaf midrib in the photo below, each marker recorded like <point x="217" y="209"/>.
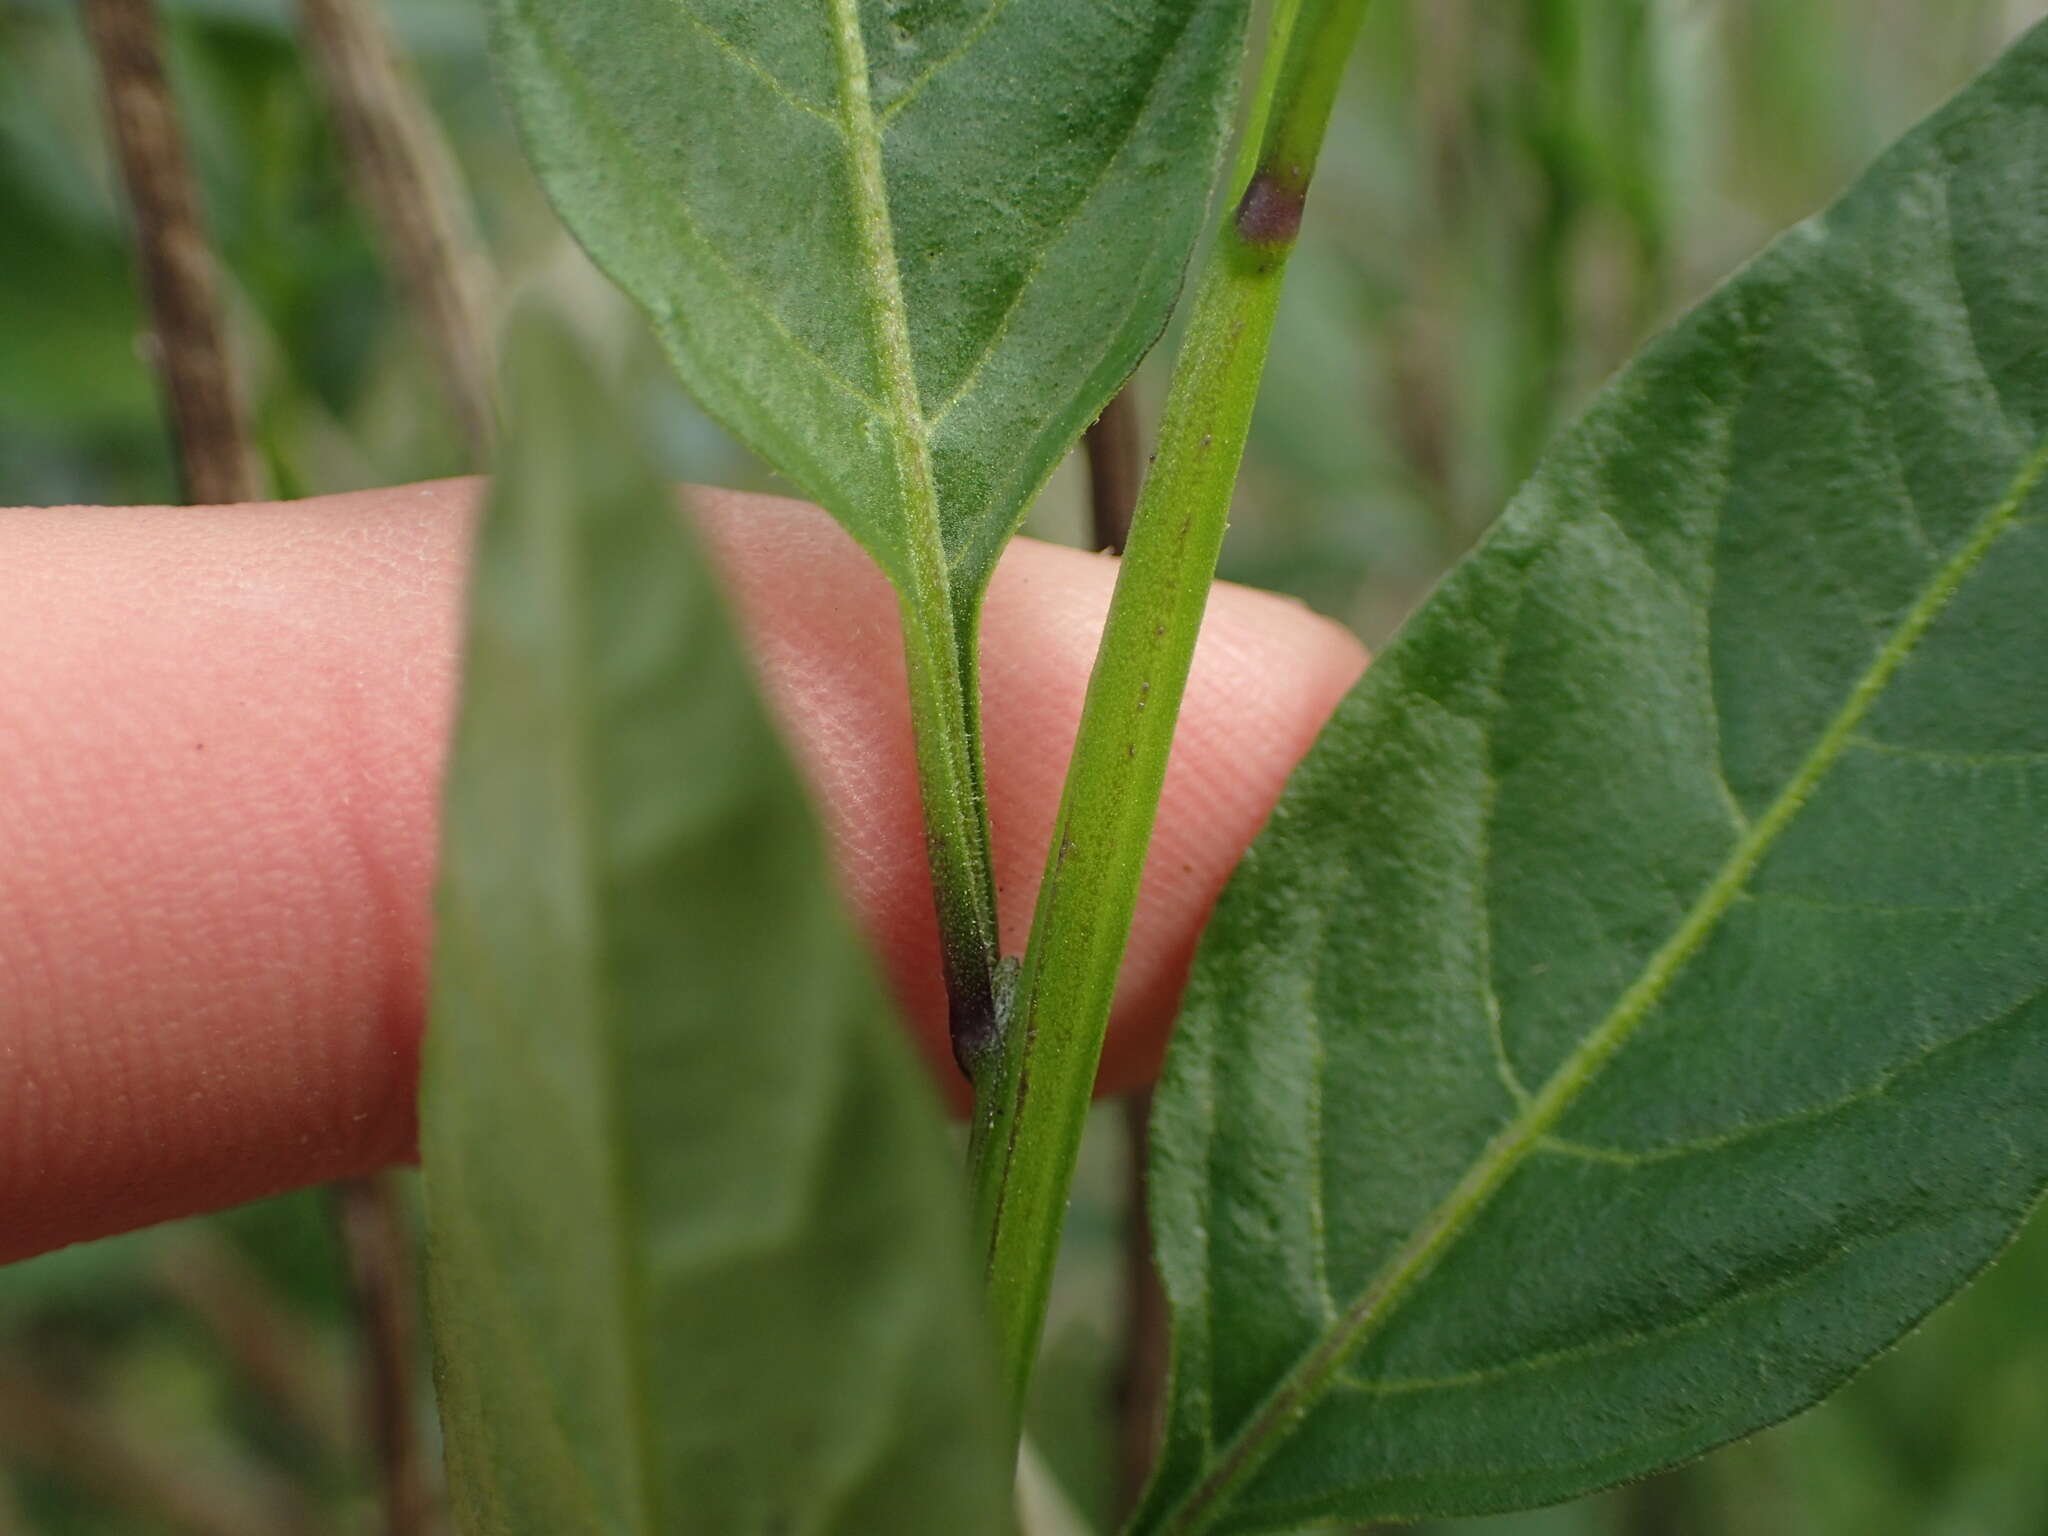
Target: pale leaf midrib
<point x="933" y="639"/>
<point x="629" y="1251"/>
<point x="1302" y="1386"/>
<point x="460" y="930"/>
<point x="753" y="65"/>
<point x="567" y="567"/>
<point x="882" y="277"/>
<point x="1049" y="240"/>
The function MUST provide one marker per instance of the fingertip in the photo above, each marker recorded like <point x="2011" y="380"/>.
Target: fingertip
<point x="220" y="774"/>
<point x="221" y="780"/>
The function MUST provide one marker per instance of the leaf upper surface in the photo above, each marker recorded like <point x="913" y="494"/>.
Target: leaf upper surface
<point x="1635" y="1015"/>
<point x="697" y="1259"/>
<point x="906" y="249"/>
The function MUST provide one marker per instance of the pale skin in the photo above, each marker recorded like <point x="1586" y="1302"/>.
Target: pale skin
<point x="221" y="733"/>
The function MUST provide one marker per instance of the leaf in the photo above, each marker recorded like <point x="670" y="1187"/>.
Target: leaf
<point x="697" y="1260"/>
<point x="905" y="249"/>
<point x="101" y="1278"/>
<point x="1635" y="1015"/>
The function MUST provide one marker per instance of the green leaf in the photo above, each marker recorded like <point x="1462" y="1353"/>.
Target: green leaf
<point x="905" y="249"/>
<point x="696" y="1248"/>
<point x="1635" y="1016"/>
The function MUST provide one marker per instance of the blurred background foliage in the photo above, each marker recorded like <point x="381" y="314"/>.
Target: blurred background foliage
<point x="1516" y="192"/>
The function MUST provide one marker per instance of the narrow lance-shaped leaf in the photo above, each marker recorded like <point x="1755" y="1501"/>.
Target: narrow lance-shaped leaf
<point x="1636" y="1014"/>
<point x="696" y="1257"/>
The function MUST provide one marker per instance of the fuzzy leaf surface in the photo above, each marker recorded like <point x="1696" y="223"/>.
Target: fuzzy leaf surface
<point x="697" y="1259"/>
<point x="1635" y="1015"/>
<point x="905" y="249"/>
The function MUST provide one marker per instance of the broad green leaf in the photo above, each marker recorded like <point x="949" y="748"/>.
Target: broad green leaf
<point x="696" y="1252"/>
<point x="1635" y="1015"/>
<point x="905" y="249"/>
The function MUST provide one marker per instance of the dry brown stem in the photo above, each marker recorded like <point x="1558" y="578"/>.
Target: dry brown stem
<point x="188" y="347"/>
<point x="404" y="175"/>
<point x="1115" y="468"/>
<point x="378" y="1242"/>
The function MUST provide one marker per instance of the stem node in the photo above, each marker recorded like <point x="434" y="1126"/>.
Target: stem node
<point x="1268" y="216"/>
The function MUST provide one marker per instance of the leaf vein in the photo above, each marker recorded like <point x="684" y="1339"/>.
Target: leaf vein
<point x="1326" y="1297"/>
<point x="1110" y="337"/>
<point x="1971" y="324"/>
<point x="622" y="143"/>
<point x="1867" y="908"/>
<point x="1613" y="1344"/>
<point x="1055" y="236"/>
<point x="1738" y="813"/>
<point x="959" y="51"/>
<point x="1915" y="519"/>
<point x="1948" y="754"/>
<point x="754" y="66"/>
<point x="1751" y="1130"/>
<point x="1488" y="976"/>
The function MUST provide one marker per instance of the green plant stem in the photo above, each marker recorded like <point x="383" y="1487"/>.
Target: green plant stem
<point x="945" y="711"/>
<point x="945" y="721"/>
<point x="1029" y="1108"/>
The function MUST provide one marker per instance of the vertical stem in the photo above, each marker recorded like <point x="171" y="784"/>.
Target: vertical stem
<point x="1652" y="177"/>
<point x="1546" y="81"/>
<point x="938" y="635"/>
<point x="379" y="1248"/>
<point x="1421" y="359"/>
<point x="275" y="1351"/>
<point x="1113" y="478"/>
<point x="1141" y="1380"/>
<point x="1030" y="1108"/>
<point x="945" y="720"/>
<point x="405" y="178"/>
<point x="189" y="343"/>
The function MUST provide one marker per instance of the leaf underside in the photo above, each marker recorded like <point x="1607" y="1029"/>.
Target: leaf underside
<point x="696" y="1257"/>
<point x="1635" y="1015"/>
<point x="905" y="249"/>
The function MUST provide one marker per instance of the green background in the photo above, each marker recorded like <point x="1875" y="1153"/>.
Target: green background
<point x="1515" y="192"/>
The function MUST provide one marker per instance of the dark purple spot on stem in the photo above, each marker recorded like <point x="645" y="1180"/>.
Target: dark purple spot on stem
<point x="1269" y="213"/>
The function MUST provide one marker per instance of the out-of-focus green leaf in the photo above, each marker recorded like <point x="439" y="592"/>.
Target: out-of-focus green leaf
<point x="105" y="1275"/>
<point x="69" y="316"/>
<point x="697" y="1261"/>
<point x="1636" y="1014"/>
